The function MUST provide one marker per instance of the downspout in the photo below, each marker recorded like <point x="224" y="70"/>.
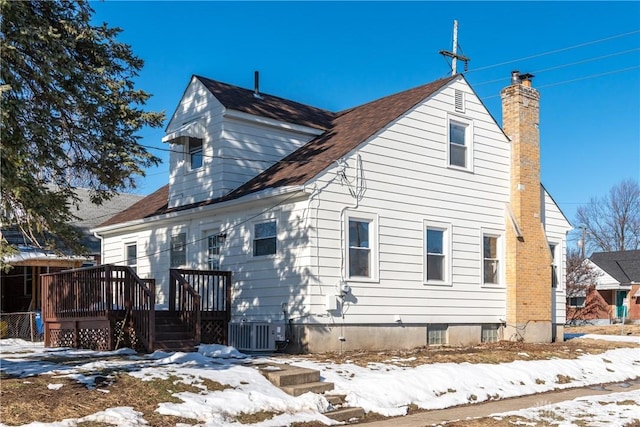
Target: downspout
<point x="99" y="237"/>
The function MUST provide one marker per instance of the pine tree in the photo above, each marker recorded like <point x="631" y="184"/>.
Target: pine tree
<point x="70" y="113"/>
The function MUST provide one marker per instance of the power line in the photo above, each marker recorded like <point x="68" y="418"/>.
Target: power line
<point x="556" y="67"/>
<point x="551" y="52"/>
<point x="592" y="76"/>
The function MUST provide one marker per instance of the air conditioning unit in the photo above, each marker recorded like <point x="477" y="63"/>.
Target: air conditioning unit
<point x="256" y="336"/>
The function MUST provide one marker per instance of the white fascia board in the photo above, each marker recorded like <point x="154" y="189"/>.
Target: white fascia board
<point x="239" y="115"/>
<point x="277" y="194"/>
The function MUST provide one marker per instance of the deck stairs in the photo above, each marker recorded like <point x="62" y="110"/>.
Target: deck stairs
<point x="171" y="334"/>
<point x="296" y="381"/>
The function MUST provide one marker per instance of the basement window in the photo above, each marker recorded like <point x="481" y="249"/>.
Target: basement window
<point x="490" y="333"/>
<point x="437" y="334"/>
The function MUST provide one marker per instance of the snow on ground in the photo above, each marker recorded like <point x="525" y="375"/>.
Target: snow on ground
<point x="383" y="388"/>
<point x="609" y="410"/>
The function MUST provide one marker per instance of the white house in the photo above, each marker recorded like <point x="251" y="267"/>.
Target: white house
<point x="407" y="221"/>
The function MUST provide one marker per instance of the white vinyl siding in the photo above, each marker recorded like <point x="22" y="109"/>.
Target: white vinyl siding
<point x="410" y="186"/>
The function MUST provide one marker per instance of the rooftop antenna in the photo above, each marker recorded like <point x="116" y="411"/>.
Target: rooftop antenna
<point x="454" y="54"/>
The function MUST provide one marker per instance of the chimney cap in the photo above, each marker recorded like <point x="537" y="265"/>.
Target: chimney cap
<point x="526" y="76"/>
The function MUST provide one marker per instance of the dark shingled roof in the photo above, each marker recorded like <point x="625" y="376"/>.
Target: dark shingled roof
<point x="624" y="266"/>
<point x="273" y="107"/>
<point x="345" y="132"/>
<point x="154" y="204"/>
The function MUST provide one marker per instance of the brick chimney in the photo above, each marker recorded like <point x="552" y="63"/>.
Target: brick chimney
<point x="528" y="258"/>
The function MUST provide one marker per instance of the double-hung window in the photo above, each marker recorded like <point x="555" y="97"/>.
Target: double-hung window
<point x="178" y="253"/>
<point x="361" y="247"/>
<point x="491" y="259"/>
<point x="213" y="251"/>
<point x="265" y="238"/>
<point x="554" y="265"/>
<point x="460" y="142"/>
<point x="195" y="153"/>
<point x="436" y="253"/>
<point x="131" y="253"/>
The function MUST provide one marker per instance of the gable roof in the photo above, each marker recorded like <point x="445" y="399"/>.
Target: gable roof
<point x="273" y="107"/>
<point x="623" y="266"/>
<point x="345" y="131"/>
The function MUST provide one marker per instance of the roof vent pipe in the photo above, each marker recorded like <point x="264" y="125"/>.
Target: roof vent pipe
<point x="515" y="77"/>
<point x="256" y="84"/>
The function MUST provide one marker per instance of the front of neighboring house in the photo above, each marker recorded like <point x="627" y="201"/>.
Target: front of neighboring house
<point x="616" y="293"/>
<point x="407" y="221"/>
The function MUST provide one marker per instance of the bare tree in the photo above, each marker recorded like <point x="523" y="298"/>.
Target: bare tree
<point x="583" y="302"/>
<point x="612" y="222"/>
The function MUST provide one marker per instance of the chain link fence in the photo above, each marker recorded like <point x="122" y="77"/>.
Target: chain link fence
<point x="25" y="325"/>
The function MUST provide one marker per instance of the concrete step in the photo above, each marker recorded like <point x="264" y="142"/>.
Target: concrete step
<point x="335" y="399"/>
<point x="345" y="414"/>
<point x="314" y="387"/>
<point x="291" y="375"/>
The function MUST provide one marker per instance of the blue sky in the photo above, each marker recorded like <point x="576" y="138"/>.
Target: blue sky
<point x="336" y="55"/>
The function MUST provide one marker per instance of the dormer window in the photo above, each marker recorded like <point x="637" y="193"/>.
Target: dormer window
<point x="195" y="153"/>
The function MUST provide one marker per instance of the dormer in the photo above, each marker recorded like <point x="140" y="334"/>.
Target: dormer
<point x="221" y="136"/>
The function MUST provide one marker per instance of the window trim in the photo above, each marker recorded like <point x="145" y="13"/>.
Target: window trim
<point x="499" y="235"/>
<point x="127" y="245"/>
<point x="191" y="153"/>
<point x="253" y="238"/>
<point x="555" y="254"/>
<point x="374" y="267"/>
<point x="446" y="250"/>
<point x="208" y="235"/>
<point x="469" y="137"/>
<point x="171" y="249"/>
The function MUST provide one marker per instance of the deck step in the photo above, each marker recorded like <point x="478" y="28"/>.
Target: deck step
<point x="345" y="414"/>
<point x="300" y="389"/>
<point x="292" y="375"/>
<point x="184" y="345"/>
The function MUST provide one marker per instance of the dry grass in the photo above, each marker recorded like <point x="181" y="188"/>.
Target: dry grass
<point x="26" y="400"/>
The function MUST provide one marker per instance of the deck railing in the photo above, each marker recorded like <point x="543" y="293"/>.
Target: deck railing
<point x="184" y="299"/>
<point x="101" y="293"/>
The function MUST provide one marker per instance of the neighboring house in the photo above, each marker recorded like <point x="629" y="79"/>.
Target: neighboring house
<point x="20" y="286"/>
<point x="411" y="220"/>
<point x="617" y="289"/>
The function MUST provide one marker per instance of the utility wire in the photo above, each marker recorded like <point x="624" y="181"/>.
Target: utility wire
<point x="584" y="61"/>
<point x="592" y="76"/>
<point x="551" y="52"/>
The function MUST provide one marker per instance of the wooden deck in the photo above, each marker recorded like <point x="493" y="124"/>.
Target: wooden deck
<point x="109" y="307"/>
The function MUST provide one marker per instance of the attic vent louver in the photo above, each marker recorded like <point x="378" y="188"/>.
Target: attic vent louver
<point x="459" y="101"/>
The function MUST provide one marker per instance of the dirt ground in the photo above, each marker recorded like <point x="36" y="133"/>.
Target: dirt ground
<point x="25" y="400"/>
